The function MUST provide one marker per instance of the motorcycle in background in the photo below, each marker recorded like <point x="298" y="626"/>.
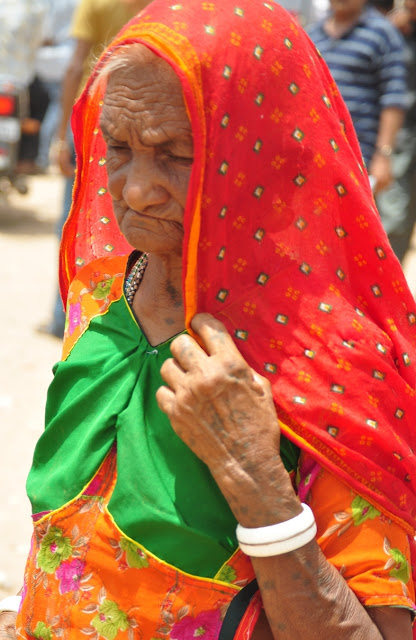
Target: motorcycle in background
<point x="22" y="24"/>
<point x="13" y="110"/>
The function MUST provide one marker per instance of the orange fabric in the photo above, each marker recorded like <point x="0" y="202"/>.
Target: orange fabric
<point x="91" y="295"/>
<point x="84" y="577"/>
<point x="371" y="552"/>
<point x="282" y="238"/>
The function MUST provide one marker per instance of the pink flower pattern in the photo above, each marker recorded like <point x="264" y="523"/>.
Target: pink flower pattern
<point x="69" y="574"/>
<point x="205" y="625"/>
<point x="74" y="317"/>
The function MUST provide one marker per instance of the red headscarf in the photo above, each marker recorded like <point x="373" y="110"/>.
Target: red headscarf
<point x="282" y="239"/>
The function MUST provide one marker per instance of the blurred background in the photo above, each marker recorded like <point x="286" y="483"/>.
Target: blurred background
<point x="46" y="51"/>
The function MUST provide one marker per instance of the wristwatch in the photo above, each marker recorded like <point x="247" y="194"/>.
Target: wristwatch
<point x="385" y="150"/>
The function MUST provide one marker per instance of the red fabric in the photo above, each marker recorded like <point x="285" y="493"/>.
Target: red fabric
<point x="282" y="239"/>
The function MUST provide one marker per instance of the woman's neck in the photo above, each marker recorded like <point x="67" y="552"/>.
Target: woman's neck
<point x="158" y="302"/>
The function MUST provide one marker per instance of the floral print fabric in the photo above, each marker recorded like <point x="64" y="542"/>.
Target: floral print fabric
<point x="85" y="579"/>
<point x="86" y="302"/>
<point x="371" y="552"/>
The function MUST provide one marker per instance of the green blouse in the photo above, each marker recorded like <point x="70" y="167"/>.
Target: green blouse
<point x="165" y="497"/>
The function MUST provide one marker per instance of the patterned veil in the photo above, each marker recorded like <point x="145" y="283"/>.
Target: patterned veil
<point x="282" y="239"/>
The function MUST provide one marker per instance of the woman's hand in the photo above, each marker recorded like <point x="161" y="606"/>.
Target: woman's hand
<point x="224" y="412"/>
<point x="215" y="402"/>
<point x="8" y="625"/>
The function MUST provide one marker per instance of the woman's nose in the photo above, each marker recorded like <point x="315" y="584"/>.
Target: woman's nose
<point x="143" y="183"/>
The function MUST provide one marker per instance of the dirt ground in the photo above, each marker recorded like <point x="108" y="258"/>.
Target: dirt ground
<point x="28" y="254"/>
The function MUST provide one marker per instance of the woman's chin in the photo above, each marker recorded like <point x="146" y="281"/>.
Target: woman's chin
<point x="153" y="243"/>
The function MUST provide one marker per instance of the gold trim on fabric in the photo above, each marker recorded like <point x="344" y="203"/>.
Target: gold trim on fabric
<point x="220" y="583"/>
<point x="334" y="463"/>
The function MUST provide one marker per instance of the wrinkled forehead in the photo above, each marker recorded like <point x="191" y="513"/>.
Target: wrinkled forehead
<point x="140" y="79"/>
<point x="137" y="68"/>
<point x="143" y="92"/>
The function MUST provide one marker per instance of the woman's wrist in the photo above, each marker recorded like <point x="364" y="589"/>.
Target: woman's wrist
<point x="259" y="494"/>
<point x="277" y="539"/>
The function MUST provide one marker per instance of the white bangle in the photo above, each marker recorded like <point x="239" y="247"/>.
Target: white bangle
<point x="11" y="603"/>
<point x="276" y="539"/>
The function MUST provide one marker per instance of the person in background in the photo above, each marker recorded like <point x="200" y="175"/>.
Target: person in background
<point x="384" y="6"/>
<point x="52" y="60"/>
<point x="31" y="126"/>
<point x="365" y="54"/>
<point x="21" y="33"/>
<point x="95" y="23"/>
<point x="397" y="204"/>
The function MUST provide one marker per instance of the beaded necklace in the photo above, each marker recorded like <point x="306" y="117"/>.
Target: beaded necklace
<point x="134" y="278"/>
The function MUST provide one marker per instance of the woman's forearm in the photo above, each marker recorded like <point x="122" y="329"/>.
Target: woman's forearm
<point x="304" y="596"/>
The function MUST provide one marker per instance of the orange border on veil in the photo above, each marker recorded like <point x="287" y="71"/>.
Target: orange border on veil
<point x="163" y="41"/>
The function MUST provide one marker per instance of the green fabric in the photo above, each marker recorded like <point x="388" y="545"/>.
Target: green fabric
<point x="165" y="497"/>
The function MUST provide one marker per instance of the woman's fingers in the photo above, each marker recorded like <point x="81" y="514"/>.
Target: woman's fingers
<point x="165" y="398"/>
<point x="172" y="373"/>
<point x="214" y="335"/>
<point x="220" y="351"/>
<point x="187" y="352"/>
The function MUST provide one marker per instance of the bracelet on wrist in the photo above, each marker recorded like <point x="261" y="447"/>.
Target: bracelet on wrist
<point x="11" y="603"/>
<point x="276" y="539"/>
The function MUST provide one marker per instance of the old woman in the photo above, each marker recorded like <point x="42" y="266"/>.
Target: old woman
<point x="229" y="447"/>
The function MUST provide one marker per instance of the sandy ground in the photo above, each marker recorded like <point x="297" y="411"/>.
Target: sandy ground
<point x="28" y="250"/>
<point x="28" y="253"/>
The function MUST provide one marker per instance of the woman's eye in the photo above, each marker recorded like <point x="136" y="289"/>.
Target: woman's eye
<point x="116" y="147"/>
<point x="180" y="159"/>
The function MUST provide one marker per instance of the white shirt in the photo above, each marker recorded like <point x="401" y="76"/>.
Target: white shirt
<point x="52" y="61"/>
<point x="21" y="33"/>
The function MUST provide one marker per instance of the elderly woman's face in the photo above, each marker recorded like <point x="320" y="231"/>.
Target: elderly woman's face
<point x="149" y="153"/>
